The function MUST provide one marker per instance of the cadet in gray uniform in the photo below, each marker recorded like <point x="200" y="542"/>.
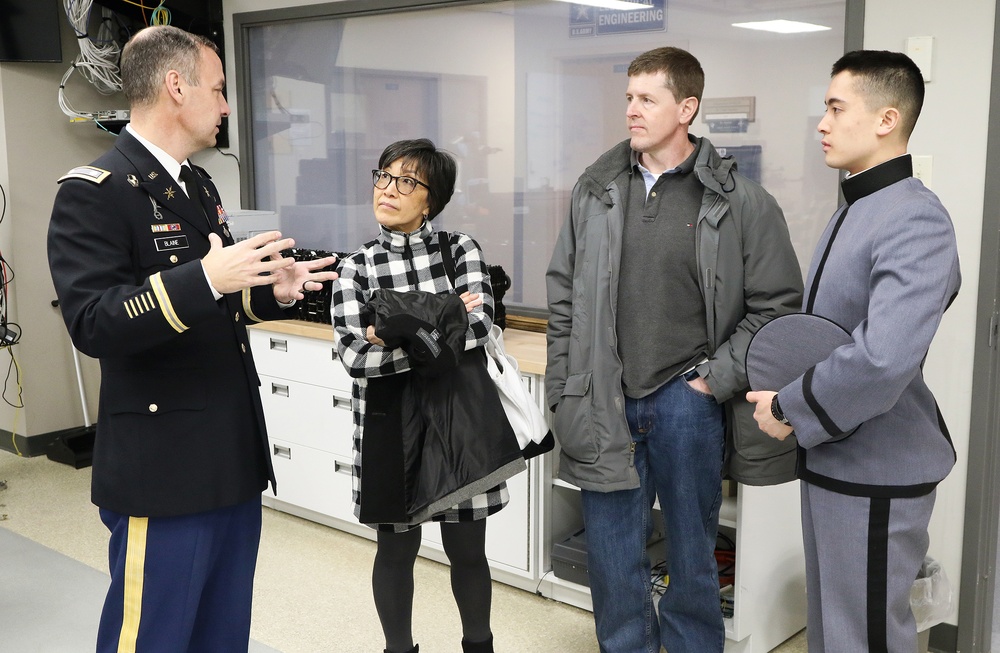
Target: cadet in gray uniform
<point x="872" y="443"/>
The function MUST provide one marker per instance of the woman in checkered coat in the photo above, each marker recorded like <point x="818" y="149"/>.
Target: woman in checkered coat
<point x="413" y="184"/>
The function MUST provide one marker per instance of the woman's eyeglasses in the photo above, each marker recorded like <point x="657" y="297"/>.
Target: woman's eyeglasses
<point x="405" y="185"/>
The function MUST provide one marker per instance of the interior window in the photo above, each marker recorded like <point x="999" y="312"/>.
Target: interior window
<point x="526" y="95"/>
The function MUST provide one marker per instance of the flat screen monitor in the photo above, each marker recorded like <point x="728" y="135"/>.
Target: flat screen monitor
<point x="29" y="30"/>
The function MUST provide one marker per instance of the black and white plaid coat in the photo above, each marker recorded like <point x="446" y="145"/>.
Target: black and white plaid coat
<point x="406" y="262"/>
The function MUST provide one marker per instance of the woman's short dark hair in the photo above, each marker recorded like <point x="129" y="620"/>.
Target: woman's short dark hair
<point x="437" y="167"/>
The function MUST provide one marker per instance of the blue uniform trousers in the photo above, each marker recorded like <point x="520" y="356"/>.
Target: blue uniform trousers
<point x="180" y="584"/>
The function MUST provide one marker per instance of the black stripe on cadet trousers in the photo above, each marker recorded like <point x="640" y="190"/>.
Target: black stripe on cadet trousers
<point x="878" y="575"/>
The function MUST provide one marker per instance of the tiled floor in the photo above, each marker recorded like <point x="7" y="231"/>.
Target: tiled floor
<point x="312" y="591"/>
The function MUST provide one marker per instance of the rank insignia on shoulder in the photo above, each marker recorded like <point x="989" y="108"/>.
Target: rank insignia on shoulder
<point x="87" y="173"/>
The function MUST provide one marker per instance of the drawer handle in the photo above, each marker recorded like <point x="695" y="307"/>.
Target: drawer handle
<point x="341" y="468"/>
<point x="341" y="402"/>
<point x="279" y="345"/>
<point x="280" y="390"/>
<point x="282" y="452"/>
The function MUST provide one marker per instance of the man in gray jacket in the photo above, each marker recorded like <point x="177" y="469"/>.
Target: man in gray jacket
<point x="873" y="444"/>
<point x="668" y="264"/>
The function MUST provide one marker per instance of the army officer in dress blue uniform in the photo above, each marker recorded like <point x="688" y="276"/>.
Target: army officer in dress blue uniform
<point x="151" y="283"/>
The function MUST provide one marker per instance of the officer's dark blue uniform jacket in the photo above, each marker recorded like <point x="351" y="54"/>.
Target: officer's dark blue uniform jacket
<point x="180" y="428"/>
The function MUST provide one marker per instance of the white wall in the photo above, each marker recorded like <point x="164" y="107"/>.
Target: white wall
<point x="39" y="144"/>
<point x="952" y="130"/>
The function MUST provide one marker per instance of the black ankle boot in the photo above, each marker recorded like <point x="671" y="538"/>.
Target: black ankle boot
<point x="478" y="647"/>
<point x="415" y="649"/>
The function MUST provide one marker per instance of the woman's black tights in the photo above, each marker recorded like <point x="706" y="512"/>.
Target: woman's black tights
<point x="392" y="581"/>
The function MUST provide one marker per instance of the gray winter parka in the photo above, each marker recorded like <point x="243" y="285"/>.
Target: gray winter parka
<point x="749" y="274"/>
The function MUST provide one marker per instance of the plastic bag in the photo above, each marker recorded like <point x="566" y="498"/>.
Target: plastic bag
<point x="930" y="597"/>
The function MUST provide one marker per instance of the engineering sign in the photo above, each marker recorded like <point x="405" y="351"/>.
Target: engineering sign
<point x="586" y="21"/>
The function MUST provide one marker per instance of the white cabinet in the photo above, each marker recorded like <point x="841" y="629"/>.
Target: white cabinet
<point x="306" y="394"/>
<point x="770" y="587"/>
<point x="311" y="479"/>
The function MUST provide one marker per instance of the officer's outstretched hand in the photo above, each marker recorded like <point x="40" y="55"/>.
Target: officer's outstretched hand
<point x="242" y="265"/>
<point x="292" y="282"/>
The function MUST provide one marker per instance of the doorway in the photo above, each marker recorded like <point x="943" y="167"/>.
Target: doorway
<point x="979" y="620"/>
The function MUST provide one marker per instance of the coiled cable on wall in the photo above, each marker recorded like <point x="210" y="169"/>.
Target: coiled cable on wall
<point x="98" y="58"/>
<point x="160" y="15"/>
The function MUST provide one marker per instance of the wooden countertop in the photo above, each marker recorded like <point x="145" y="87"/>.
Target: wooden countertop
<point x="526" y="346"/>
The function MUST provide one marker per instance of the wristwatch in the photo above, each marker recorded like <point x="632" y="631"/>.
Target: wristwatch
<point x="776" y="411"/>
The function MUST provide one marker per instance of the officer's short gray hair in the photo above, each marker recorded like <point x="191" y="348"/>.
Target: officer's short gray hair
<point x="152" y="53"/>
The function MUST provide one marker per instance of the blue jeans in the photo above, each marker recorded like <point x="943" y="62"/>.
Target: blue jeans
<point x="679" y="440"/>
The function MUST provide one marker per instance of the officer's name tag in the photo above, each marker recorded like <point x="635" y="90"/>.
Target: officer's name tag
<point x="170" y="243"/>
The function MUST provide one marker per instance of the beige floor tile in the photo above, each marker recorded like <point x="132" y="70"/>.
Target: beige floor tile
<point x="312" y="591"/>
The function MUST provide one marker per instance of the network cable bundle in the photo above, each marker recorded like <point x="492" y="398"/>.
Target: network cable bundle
<point x="102" y="28"/>
<point x="98" y="58"/>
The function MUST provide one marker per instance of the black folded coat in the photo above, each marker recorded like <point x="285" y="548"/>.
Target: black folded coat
<point x="437" y="435"/>
<point x="431" y="328"/>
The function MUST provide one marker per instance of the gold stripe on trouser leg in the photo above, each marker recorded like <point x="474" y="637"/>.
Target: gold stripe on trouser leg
<point x="135" y="563"/>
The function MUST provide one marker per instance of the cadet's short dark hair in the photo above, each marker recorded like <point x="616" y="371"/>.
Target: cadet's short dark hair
<point x="154" y="51"/>
<point x="436" y="166"/>
<point x="685" y="78"/>
<point x="886" y="79"/>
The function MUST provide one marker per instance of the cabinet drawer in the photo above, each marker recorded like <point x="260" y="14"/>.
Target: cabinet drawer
<point x="295" y="357"/>
<point x="310" y="415"/>
<point x="312" y="479"/>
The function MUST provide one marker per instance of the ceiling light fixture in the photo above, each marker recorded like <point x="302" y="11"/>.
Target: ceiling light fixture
<point x="783" y="26"/>
<point x="623" y="5"/>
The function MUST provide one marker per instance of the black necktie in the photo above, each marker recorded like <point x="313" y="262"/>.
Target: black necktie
<point x="195" y="192"/>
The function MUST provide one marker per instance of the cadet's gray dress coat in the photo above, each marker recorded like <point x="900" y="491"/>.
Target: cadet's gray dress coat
<point x="872" y="443"/>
